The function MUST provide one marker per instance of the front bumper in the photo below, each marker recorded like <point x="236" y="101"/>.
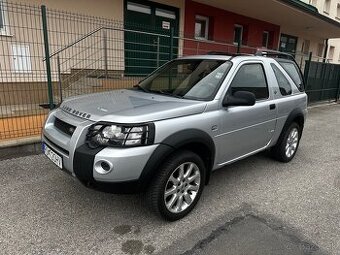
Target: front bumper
<point x="79" y="160"/>
<point x="126" y="173"/>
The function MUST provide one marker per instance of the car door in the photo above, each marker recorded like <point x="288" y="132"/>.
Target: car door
<point x="246" y="129"/>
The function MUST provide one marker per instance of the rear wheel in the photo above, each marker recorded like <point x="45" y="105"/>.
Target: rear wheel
<point x="178" y="186"/>
<point x="288" y="143"/>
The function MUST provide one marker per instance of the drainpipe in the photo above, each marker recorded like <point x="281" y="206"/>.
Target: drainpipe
<point x="326" y="52"/>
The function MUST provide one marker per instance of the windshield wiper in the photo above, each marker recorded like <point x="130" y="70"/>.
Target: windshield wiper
<point x="141" y="88"/>
<point x="165" y="93"/>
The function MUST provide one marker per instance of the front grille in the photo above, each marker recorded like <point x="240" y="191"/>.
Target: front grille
<point x="64" y="127"/>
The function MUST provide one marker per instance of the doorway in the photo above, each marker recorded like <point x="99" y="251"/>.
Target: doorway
<point x="144" y="51"/>
<point x="288" y="43"/>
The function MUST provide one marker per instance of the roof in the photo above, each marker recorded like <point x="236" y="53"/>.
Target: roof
<point x="311" y="10"/>
<point x="293" y="16"/>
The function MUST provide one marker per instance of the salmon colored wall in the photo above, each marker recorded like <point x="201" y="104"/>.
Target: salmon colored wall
<point x="221" y="27"/>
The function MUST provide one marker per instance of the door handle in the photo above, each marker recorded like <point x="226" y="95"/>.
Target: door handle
<point x="272" y="106"/>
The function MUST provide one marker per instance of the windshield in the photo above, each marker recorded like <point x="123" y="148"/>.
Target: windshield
<point x="190" y="78"/>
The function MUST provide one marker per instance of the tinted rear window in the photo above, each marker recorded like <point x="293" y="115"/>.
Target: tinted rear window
<point x="294" y="73"/>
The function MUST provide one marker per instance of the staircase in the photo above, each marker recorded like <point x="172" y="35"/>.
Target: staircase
<point x="93" y="63"/>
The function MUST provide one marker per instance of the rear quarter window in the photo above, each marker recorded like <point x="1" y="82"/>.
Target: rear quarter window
<point x="294" y="73"/>
<point x="284" y="85"/>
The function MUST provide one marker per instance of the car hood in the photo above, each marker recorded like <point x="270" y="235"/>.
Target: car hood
<point x="130" y="106"/>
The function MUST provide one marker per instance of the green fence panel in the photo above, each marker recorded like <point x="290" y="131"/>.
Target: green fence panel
<point x="322" y="81"/>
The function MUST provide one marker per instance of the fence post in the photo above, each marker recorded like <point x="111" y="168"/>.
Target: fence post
<point x="105" y="53"/>
<point x="47" y="57"/>
<point x="307" y="67"/>
<point x="171" y="43"/>
<point x="158" y="41"/>
<point x="59" y="78"/>
<point x="338" y="92"/>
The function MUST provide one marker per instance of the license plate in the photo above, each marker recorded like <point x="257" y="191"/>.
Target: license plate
<point x="54" y="157"/>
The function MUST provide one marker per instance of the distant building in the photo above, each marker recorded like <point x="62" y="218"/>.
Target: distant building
<point x="331" y="9"/>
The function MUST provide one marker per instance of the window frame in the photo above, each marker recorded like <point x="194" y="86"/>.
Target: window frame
<point x="301" y="87"/>
<point x="327" y="6"/>
<point x="265" y="77"/>
<point x="206" y="34"/>
<point x="28" y="57"/>
<point x="313" y="2"/>
<point x="305" y="49"/>
<point x="321" y="50"/>
<point x="138" y="7"/>
<point x="267" y="41"/>
<point x="337" y="11"/>
<point x="242" y="30"/>
<point x="331" y="52"/>
<point x="4" y="31"/>
<point x="272" y="65"/>
<point x="165" y="13"/>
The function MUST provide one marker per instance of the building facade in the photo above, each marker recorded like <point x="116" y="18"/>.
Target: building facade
<point x="331" y="9"/>
<point x="214" y="27"/>
<point x="129" y="47"/>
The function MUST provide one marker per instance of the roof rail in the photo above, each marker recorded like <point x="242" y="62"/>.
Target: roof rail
<point x="274" y="53"/>
<point x="228" y="53"/>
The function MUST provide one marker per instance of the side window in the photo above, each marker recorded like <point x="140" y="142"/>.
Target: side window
<point x="284" y="84"/>
<point x="293" y="72"/>
<point x="251" y="77"/>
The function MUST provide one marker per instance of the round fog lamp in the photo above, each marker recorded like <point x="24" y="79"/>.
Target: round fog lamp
<point x="103" y="167"/>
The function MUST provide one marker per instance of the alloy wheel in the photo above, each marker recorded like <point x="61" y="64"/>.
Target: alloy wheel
<point x="182" y="187"/>
<point x="292" y="142"/>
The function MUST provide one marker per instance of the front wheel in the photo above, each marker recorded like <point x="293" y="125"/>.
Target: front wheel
<point x="288" y="143"/>
<point x="176" y="189"/>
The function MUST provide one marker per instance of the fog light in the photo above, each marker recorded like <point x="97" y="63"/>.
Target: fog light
<point x="103" y="167"/>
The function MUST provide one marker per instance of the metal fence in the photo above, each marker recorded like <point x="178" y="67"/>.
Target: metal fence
<point x="22" y="72"/>
<point x="89" y="54"/>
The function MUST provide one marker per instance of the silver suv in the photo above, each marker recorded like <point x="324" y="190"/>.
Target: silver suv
<point x="188" y="118"/>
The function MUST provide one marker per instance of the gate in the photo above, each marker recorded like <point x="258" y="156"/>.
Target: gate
<point x="323" y="81"/>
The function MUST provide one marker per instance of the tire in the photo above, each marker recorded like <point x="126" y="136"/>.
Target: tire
<point x="168" y="178"/>
<point x="287" y="140"/>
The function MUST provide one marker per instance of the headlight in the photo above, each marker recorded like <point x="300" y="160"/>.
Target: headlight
<point x="116" y="135"/>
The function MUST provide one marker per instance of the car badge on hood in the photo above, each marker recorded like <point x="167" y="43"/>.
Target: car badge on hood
<point x="102" y="109"/>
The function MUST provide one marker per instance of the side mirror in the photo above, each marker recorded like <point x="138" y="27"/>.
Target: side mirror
<point x="240" y="98"/>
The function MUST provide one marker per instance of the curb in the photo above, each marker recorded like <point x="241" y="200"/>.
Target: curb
<point x="20" y="142"/>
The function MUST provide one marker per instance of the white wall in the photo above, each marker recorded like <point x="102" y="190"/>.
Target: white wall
<point x="320" y="4"/>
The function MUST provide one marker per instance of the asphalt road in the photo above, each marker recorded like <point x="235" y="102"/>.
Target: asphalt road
<point x="45" y="211"/>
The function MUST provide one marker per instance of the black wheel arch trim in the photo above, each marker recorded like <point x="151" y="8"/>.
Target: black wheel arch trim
<point x="171" y="144"/>
<point x="83" y="169"/>
<point x="84" y="158"/>
<point x="296" y="113"/>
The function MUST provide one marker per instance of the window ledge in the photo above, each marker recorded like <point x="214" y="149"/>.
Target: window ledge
<point x="21" y="72"/>
<point x="5" y="34"/>
<point x="241" y="45"/>
<point x="202" y="39"/>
